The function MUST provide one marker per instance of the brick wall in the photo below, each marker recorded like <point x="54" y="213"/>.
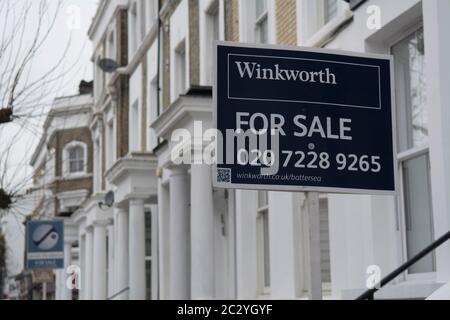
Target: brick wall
<point x="144" y="116"/>
<point x="286" y="22"/>
<point x="122" y="116"/>
<point x="166" y="66"/>
<point x="194" y="43"/>
<point x="231" y="20"/>
<point x="122" y="38"/>
<point x="122" y="86"/>
<point x="63" y="137"/>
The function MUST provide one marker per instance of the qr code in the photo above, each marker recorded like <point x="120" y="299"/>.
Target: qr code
<point x="224" y="175"/>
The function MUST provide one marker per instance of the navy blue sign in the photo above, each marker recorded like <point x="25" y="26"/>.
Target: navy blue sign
<point x="303" y="120"/>
<point x="45" y="244"/>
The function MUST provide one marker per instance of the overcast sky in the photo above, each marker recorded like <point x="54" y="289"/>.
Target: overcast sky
<point x="69" y="26"/>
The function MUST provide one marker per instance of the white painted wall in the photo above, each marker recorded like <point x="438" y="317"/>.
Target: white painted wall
<point x="283" y="229"/>
<point x="152" y="107"/>
<point x="179" y="25"/>
<point x="246" y="207"/>
<point x="364" y="230"/>
<point x="135" y="94"/>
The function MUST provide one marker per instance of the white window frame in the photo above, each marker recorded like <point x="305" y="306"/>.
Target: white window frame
<point x="99" y="76"/>
<point x="401" y="219"/>
<point x="311" y="28"/>
<point x="180" y="68"/>
<point x="209" y="11"/>
<point x="66" y="159"/>
<point x="134" y="139"/>
<point x="134" y="29"/>
<point x="247" y="15"/>
<point x="403" y="156"/>
<point x="110" y="144"/>
<point x="262" y="213"/>
<point x="98" y="166"/>
<point x="152" y="113"/>
<point x="259" y="20"/>
<point x="110" y="49"/>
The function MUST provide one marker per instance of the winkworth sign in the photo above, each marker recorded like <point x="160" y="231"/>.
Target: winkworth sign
<point x="303" y="119"/>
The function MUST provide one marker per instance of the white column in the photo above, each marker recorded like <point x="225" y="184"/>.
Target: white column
<point x="137" y="250"/>
<point x="154" y="251"/>
<point x="315" y="274"/>
<point x="122" y="253"/>
<point x="58" y="295"/>
<point x="111" y="261"/>
<point x="99" y="263"/>
<point x="66" y="294"/>
<point x="116" y="250"/>
<point x="60" y="284"/>
<point x="436" y="16"/>
<point x="202" y="235"/>
<point x="179" y="235"/>
<point x="81" y="258"/>
<point x="89" y="260"/>
<point x="164" y="241"/>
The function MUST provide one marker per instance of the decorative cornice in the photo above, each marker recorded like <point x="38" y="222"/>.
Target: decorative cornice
<point x="55" y="112"/>
<point x="184" y="107"/>
<point x="135" y="162"/>
<point x="102" y="222"/>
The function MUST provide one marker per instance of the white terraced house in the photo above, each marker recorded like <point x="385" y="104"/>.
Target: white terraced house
<point x="171" y="235"/>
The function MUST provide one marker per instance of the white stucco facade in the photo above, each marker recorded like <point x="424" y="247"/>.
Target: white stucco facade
<point x="169" y="224"/>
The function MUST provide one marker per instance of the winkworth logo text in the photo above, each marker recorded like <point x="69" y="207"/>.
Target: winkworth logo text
<point x="253" y="70"/>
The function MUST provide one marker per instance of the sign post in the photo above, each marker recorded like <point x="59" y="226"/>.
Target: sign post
<point x="315" y="265"/>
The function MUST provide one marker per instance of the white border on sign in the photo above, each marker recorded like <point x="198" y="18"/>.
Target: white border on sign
<point x="302" y="101"/>
<point x="294" y="188"/>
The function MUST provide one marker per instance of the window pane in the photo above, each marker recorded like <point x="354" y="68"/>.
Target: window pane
<point x="72" y="166"/>
<point x="263" y="31"/>
<point x="180" y="68"/>
<point x="261" y="7"/>
<point x="79" y="153"/>
<point x="76" y="159"/>
<point x="418" y="213"/>
<point x="411" y="90"/>
<point x="262" y="199"/>
<point x="215" y="23"/>
<point x="72" y="153"/>
<point x="330" y="10"/>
